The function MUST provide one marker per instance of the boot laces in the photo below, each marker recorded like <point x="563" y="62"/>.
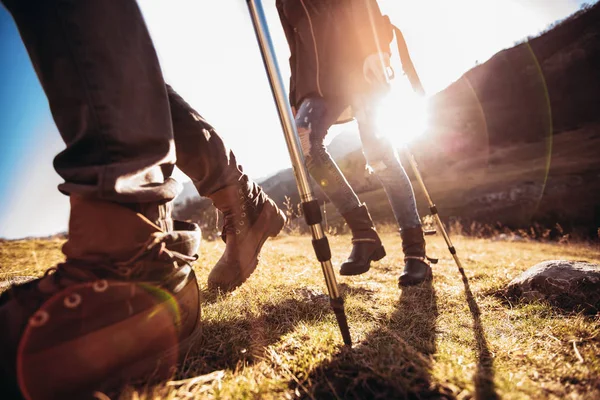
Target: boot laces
<point x="237" y="221"/>
<point x="79" y="271"/>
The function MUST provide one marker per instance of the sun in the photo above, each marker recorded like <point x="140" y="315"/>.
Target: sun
<point x="402" y="115"/>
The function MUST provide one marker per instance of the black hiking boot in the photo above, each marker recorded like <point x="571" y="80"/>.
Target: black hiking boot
<point x="366" y="245"/>
<point x="417" y="267"/>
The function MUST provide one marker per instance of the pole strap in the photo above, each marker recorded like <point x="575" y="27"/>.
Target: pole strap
<point x="407" y="65"/>
<point x="425" y="259"/>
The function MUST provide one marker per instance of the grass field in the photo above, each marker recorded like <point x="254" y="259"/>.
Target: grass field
<point x="276" y="337"/>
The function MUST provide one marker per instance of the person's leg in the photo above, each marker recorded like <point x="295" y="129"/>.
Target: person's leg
<point x="383" y="160"/>
<point x="99" y="70"/>
<point x="313" y="120"/>
<point x="125" y="266"/>
<point x="250" y="215"/>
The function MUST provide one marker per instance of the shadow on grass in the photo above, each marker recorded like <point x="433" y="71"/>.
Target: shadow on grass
<point x="233" y="340"/>
<point x="484" y="375"/>
<point x="394" y="361"/>
<point x="347" y="290"/>
<point x="242" y="339"/>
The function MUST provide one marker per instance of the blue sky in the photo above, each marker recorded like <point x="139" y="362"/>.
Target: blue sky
<point x="208" y="53"/>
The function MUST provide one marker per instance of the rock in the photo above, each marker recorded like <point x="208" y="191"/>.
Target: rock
<point x="503" y="237"/>
<point x="310" y="294"/>
<point x="570" y="285"/>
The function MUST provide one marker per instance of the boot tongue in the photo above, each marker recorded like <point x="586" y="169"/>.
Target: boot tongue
<point x="101" y="230"/>
<point x="240" y="204"/>
<point x="185" y="239"/>
<point x="255" y="197"/>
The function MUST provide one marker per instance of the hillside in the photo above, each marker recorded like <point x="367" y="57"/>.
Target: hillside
<point x="548" y="84"/>
<point x="508" y="140"/>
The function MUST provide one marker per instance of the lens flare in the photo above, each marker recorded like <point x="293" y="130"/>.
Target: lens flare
<point x="402" y="115"/>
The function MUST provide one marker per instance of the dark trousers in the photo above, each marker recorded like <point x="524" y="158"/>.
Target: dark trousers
<point x="123" y="127"/>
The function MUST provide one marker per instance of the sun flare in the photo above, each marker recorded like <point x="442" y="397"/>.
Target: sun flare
<point x="402" y="116"/>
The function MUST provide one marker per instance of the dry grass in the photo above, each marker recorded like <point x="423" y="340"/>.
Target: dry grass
<point x="276" y="337"/>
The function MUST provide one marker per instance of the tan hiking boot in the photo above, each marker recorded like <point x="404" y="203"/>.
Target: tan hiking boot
<point x="250" y="219"/>
<point x="122" y="307"/>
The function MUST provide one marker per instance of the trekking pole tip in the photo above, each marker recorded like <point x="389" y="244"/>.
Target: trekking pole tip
<point x="337" y="304"/>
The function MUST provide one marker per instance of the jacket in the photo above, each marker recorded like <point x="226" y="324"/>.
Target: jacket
<point x="329" y="41"/>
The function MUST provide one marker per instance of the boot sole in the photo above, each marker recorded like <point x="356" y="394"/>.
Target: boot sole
<point x="377" y="255"/>
<point x="275" y="219"/>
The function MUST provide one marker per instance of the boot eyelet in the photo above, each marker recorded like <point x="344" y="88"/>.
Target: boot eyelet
<point x="72" y="300"/>
<point x="237" y="231"/>
<point x="125" y="271"/>
<point x="100" y="286"/>
<point x="243" y="207"/>
<point x="240" y="191"/>
<point x="241" y="222"/>
<point x="243" y="214"/>
<point x="39" y="318"/>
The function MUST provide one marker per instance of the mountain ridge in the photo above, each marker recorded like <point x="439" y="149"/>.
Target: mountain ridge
<point x="499" y="126"/>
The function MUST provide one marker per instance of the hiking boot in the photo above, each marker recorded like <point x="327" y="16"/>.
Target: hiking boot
<point x="122" y="307"/>
<point x="416" y="262"/>
<point x="366" y="245"/>
<point x="250" y="219"/>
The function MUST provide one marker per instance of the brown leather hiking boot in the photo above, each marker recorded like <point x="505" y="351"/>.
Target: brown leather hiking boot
<point x="416" y="263"/>
<point x="122" y="307"/>
<point x="250" y="219"/>
<point x="366" y="245"/>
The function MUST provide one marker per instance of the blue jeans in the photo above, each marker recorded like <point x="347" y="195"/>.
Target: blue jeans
<point x="313" y="120"/>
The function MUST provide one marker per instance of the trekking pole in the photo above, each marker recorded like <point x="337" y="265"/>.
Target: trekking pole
<point x="432" y="207"/>
<point x="310" y="205"/>
<point x="415" y="81"/>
